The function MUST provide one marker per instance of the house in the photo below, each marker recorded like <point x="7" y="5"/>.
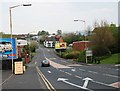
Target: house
<point x="52" y="40"/>
<point x="81" y="45"/>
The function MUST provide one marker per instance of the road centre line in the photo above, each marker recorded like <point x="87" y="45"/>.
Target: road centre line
<point x="101" y="74"/>
<point x="78" y="76"/>
<point x="82" y="69"/>
<point x="68" y="73"/>
<point x="62" y="70"/>
<point x="111" y="75"/>
<point x="93" y="72"/>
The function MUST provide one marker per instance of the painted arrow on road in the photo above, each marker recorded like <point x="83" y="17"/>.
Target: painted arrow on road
<point x="65" y="81"/>
<point x="86" y="81"/>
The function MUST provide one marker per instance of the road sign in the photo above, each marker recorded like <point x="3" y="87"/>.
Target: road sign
<point x="89" y="53"/>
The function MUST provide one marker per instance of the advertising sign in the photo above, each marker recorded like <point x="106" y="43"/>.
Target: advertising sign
<point x="8" y="48"/>
<point x="62" y="45"/>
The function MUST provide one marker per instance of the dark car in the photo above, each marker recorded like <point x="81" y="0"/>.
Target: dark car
<point x="45" y="63"/>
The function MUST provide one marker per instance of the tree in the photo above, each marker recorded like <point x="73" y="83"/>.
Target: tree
<point x="101" y="39"/>
<point x="59" y="32"/>
<point x="72" y="37"/>
<point x="42" y="34"/>
<point x="115" y="32"/>
<point x="33" y="46"/>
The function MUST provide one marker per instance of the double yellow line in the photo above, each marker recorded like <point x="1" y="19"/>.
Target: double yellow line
<point x="47" y="83"/>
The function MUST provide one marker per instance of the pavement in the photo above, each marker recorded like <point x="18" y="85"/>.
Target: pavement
<point x="29" y="80"/>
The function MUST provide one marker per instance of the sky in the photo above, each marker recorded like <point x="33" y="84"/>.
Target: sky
<point x="53" y="15"/>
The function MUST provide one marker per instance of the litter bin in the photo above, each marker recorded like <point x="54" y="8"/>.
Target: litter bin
<point x="18" y="66"/>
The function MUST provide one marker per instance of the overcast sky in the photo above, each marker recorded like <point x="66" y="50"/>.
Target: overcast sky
<point x="51" y="15"/>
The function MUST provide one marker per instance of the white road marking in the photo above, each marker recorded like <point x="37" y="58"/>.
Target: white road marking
<point x="65" y="81"/>
<point x="111" y="75"/>
<point x="62" y="70"/>
<point x="82" y="69"/>
<point x="117" y="69"/>
<point x="86" y="81"/>
<point x="52" y="58"/>
<point x="57" y="65"/>
<point x="101" y="83"/>
<point x="6" y="79"/>
<point x="78" y="76"/>
<point x="73" y="70"/>
<point x="93" y="72"/>
<point x="68" y="73"/>
<point x="49" y="72"/>
<point x="117" y="65"/>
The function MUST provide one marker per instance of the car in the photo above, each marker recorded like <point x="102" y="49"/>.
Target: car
<point x="45" y="63"/>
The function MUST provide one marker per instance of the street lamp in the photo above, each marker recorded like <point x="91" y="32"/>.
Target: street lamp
<point x="84" y="28"/>
<point x="85" y="32"/>
<point x="10" y="8"/>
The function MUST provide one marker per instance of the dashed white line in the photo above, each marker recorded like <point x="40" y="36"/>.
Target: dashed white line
<point x="62" y="70"/>
<point x="49" y="72"/>
<point x="101" y="83"/>
<point x="82" y="69"/>
<point x="68" y="73"/>
<point x="73" y="70"/>
<point x="111" y="75"/>
<point x="78" y="76"/>
<point x="93" y="72"/>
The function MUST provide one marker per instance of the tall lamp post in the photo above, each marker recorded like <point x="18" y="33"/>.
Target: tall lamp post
<point x="85" y="35"/>
<point x="10" y="11"/>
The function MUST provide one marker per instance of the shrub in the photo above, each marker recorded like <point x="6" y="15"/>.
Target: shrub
<point x="81" y="57"/>
<point x="71" y="54"/>
<point x="33" y="46"/>
<point x="100" y="51"/>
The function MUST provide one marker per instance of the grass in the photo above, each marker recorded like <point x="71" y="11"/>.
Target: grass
<point x="113" y="59"/>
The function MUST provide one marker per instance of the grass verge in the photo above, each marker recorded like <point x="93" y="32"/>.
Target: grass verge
<point x="113" y="59"/>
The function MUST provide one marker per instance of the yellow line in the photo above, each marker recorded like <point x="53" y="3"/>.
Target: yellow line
<point x="47" y="83"/>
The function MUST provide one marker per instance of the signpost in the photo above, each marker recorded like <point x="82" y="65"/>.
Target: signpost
<point x="89" y="53"/>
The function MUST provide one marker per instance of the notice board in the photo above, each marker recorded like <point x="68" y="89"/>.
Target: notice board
<point x="18" y="67"/>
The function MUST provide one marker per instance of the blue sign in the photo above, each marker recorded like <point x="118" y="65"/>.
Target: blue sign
<point x="8" y="48"/>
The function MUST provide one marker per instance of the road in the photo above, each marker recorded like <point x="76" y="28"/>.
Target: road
<point x="64" y="74"/>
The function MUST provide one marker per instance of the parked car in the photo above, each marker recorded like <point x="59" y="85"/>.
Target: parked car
<point x="45" y="63"/>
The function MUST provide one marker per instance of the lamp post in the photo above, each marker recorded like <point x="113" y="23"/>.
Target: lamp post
<point x="85" y="35"/>
<point x="10" y="11"/>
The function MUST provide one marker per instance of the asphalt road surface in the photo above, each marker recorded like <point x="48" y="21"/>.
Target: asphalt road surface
<point x="64" y="74"/>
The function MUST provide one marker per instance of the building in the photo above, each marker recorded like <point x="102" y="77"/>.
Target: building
<point x="81" y="45"/>
<point x="52" y="40"/>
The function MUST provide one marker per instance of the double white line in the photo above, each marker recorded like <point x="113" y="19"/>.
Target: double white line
<point x="47" y="83"/>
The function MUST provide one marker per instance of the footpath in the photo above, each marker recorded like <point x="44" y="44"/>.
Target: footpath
<point x="29" y="80"/>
